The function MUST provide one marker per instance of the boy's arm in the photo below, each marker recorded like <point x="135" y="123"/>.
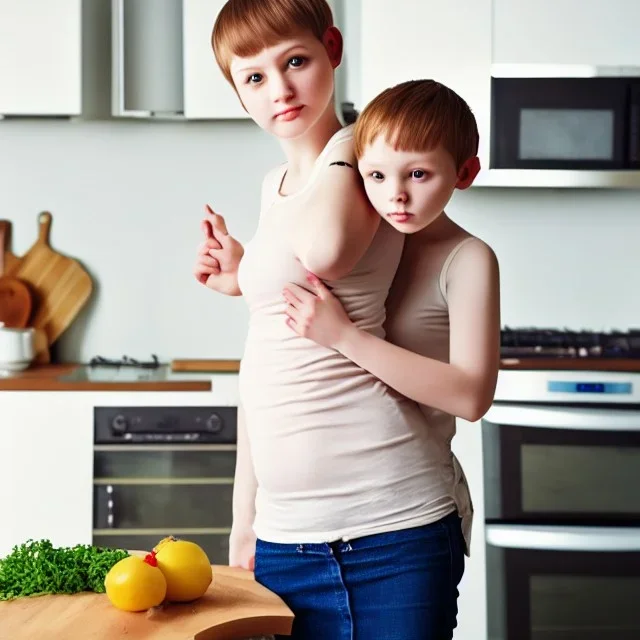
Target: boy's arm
<point x="341" y="224"/>
<point x="242" y="541"/>
<point x="465" y="386"/>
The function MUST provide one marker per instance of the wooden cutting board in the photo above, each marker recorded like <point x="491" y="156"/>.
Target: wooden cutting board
<point x="234" y="608"/>
<point x="10" y="258"/>
<point x="59" y="285"/>
<point x="205" y="366"/>
<point x="15" y="296"/>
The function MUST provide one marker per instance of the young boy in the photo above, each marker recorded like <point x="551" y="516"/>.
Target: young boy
<point x="416" y="143"/>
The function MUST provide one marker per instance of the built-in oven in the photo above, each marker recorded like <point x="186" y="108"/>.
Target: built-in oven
<point x="569" y="123"/>
<point x="161" y="471"/>
<point x="561" y="465"/>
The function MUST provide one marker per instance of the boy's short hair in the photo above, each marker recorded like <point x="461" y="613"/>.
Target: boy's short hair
<point x="419" y="115"/>
<point x="245" y="27"/>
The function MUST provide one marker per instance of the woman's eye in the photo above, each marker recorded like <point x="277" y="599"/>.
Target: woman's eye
<point x="418" y="174"/>
<point x="254" y="78"/>
<point x="296" y="61"/>
<point x="376" y="175"/>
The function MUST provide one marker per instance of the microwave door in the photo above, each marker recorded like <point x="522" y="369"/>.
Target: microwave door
<point x="559" y="123"/>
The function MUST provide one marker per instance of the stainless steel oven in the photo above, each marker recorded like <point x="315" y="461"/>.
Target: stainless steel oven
<point x="561" y="460"/>
<point x="161" y="471"/>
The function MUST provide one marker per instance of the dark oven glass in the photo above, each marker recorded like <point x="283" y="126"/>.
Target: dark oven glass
<point x="145" y="492"/>
<point x="562" y="465"/>
<point x="560" y="123"/>
<point x="155" y="505"/>
<point x="536" y="594"/>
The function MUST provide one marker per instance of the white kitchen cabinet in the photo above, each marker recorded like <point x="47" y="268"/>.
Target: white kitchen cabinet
<point x="46" y="468"/>
<point x="472" y="601"/>
<point x="40" y="57"/>
<point x="447" y="41"/>
<point x="177" y="79"/>
<point x="207" y="94"/>
<point x="590" y="32"/>
<point x="46" y="456"/>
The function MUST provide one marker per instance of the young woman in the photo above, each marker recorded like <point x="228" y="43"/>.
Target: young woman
<point x="337" y="475"/>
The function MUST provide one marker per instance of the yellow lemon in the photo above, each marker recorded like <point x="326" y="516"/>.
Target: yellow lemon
<point x="186" y="568"/>
<point x="135" y="584"/>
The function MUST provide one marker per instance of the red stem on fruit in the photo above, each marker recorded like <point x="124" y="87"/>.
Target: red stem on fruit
<point x="150" y="559"/>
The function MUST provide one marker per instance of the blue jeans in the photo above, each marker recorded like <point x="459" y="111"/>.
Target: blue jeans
<point x="390" y="586"/>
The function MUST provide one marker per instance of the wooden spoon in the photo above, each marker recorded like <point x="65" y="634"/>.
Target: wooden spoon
<point x="15" y="296"/>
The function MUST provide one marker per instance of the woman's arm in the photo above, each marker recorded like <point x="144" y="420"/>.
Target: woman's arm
<point x="342" y="223"/>
<point x="242" y="541"/>
<point x="465" y="386"/>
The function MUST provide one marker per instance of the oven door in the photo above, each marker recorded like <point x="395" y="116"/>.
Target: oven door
<point x="143" y="493"/>
<point x="560" y="123"/>
<point x="561" y="465"/>
<point x="553" y="583"/>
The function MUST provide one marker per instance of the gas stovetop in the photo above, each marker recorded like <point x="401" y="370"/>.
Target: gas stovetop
<point x="566" y="343"/>
<point x="126" y="361"/>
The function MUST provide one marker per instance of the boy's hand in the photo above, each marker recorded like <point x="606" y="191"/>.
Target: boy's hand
<point x="316" y="315"/>
<point x="218" y="257"/>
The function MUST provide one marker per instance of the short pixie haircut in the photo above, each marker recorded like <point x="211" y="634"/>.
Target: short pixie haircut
<point x="419" y="115"/>
<point x="245" y="27"/>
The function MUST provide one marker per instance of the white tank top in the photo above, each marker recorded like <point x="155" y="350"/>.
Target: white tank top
<point x="336" y="453"/>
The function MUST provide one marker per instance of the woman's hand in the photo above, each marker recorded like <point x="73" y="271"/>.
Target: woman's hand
<point x="318" y="314"/>
<point x="242" y="548"/>
<point x="218" y="257"/>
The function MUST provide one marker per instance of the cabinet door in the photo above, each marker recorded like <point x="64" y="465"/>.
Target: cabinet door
<point x="590" y="32"/>
<point x="46" y="475"/>
<point x="40" y="57"/>
<point x="447" y="41"/>
<point x="207" y="95"/>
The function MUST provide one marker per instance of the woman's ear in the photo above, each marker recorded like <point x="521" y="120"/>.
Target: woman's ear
<point x="468" y="173"/>
<point x="332" y="41"/>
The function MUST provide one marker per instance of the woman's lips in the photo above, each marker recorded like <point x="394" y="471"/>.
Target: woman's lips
<point x="400" y="216"/>
<point x="289" y="114"/>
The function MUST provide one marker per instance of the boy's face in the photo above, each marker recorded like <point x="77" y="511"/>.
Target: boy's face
<point x="286" y="88"/>
<point x="410" y="189"/>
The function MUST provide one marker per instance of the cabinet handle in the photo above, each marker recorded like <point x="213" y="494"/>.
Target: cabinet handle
<point x="118" y="63"/>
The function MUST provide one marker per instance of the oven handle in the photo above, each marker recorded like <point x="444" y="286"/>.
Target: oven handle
<point x="550" y="538"/>
<point x="581" y="418"/>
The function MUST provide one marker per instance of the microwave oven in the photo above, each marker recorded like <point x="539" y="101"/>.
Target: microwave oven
<point x="568" y="118"/>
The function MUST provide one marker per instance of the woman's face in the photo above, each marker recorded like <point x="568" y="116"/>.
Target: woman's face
<point x="286" y="88"/>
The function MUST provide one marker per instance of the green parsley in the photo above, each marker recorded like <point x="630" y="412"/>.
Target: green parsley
<point x="38" y="568"/>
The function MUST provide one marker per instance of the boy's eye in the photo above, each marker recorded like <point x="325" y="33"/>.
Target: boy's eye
<point x="418" y="174"/>
<point x="296" y="61"/>
<point x="376" y="175"/>
<point x="254" y="78"/>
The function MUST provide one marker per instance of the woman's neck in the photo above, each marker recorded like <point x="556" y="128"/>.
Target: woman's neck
<point x="303" y="151"/>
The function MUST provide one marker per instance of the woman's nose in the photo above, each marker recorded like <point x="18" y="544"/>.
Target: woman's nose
<point x="280" y="89"/>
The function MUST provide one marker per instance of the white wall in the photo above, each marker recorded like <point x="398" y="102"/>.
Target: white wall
<point x="127" y="199"/>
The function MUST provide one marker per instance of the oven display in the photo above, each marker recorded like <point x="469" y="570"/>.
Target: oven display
<point x="560" y="386"/>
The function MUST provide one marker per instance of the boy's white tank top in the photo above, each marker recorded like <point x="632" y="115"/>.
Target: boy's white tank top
<point x="336" y="453"/>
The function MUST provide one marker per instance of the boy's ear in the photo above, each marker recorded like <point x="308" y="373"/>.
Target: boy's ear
<point x="332" y="41"/>
<point x="468" y="173"/>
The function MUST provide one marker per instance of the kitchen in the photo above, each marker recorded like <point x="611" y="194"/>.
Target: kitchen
<point x="127" y="193"/>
